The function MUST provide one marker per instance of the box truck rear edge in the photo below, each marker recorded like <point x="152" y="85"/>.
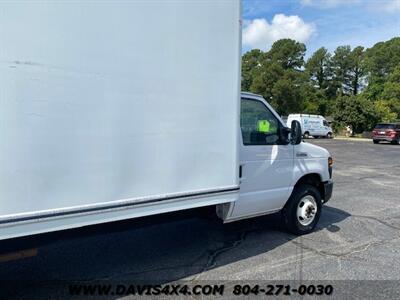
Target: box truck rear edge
<point x="104" y="121"/>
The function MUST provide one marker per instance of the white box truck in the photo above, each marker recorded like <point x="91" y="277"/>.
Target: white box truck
<point x="114" y="110"/>
<point x="312" y="125"/>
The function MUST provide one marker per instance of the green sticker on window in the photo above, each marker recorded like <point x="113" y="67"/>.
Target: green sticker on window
<point x="263" y="126"/>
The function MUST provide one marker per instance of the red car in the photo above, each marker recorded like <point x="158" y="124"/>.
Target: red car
<point x="389" y="132"/>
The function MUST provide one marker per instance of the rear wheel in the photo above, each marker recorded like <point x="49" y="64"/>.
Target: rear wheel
<point x="396" y="142"/>
<point x="303" y="209"/>
<point x="306" y="135"/>
<point x="376" y="141"/>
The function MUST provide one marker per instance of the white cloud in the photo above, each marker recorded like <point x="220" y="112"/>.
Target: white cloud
<point x="389" y="5"/>
<point x="328" y="3"/>
<point x="260" y="34"/>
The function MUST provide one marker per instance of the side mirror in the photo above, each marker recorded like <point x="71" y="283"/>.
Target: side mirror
<point x="295" y="133"/>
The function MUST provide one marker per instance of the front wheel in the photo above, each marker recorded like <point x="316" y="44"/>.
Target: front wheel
<point x="303" y="210"/>
<point x="376" y="141"/>
<point x="329" y="135"/>
<point x="306" y="135"/>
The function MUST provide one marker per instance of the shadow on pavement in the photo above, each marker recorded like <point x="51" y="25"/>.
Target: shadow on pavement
<point x="154" y="249"/>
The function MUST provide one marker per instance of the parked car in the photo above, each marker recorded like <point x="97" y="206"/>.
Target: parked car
<point x="312" y="125"/>
<point x="388" y="132"/>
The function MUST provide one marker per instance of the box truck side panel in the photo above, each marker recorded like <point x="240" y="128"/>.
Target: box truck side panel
<point x="105" y="105"/>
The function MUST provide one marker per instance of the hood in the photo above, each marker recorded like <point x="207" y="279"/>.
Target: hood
<point x="313" y="151"/>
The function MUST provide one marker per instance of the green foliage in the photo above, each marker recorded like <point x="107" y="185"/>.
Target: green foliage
<point x="288" y="53"/>
<point x="357" y="70"/>
<point x="319" y="69"/>
<point x="341" y="63"/>
<point x="265" y="77"/>
<point x="251" y="61"/>
<point x="355" y="111"/>
<point x="287" y="93"/>
<point x="385" y="112"/>
<point x="391" y="88"/>
<point x="359" y="87"/>
<point x="382" y="59"/>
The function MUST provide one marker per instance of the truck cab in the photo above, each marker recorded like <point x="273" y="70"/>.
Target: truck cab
<point x="278" y="173"/>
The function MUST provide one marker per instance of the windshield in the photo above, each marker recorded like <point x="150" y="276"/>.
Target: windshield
<point x="385" y="126"/>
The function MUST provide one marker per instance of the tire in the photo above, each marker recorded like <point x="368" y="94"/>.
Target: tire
<point x="396" y="142"/>
<point x="304" y="201"/>
<point x="376" y="141"/>
<point x="306" y="135"/>
<point x="329" y="135"/>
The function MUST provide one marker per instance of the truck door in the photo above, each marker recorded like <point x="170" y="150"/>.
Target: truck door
<point x="266" y="161"/>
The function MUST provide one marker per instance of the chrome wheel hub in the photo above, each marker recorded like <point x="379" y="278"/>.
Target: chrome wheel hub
<point x="307" y="210"/>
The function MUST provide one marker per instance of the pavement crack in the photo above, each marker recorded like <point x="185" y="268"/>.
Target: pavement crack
<point x="146" y="271"/>
<point x="192" y="264"/>
<point x="357" y="249"/>
<point x="377" y="220"/>
<point x="227" y="246"/>
<point x="364" y="217"/>
<point x="212" y="257"/>
<point x="321" y="252"/>
<point x="369" y="177"/>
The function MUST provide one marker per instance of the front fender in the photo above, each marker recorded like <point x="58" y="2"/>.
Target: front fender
<point x="305" y="166"/>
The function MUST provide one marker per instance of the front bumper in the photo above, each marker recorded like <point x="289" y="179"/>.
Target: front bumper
<point x="384" y="138"/>
<point x="328" y="188"/>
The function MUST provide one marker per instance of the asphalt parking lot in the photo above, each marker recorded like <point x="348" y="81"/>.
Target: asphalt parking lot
<point x="358" y="237"/>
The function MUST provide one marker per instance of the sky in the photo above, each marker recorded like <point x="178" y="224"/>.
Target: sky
<point x="319" y="23"/>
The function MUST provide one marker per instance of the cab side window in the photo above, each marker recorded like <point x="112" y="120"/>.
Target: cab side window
<point x="259" y="126"/>
<point x="325" y="123"/>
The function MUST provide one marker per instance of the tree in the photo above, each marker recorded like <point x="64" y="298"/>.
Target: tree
<point x="319" y="69"/>
<point x="384" y="111"/>
<point x="357" y="86"/>
<point x="314" y="101"/>
<point x="381" y="60"/>
<point x="288" y="53"/>
<point x="356" y="69"/>
<point x="390" y="96"/>
<point x="355" y="111"/>
<point x="265" y="78"/>
<point x="251" y="61"/>
<point x="341" y="63"/>
<point x="277" y="74"/>
<point x="286" y="95"/>
<point x="391" y="88"/>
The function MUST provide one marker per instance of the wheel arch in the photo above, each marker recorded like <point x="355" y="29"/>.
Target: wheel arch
<point x="313" y="179"/>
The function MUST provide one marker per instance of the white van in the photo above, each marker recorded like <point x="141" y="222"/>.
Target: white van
<point x="105" y="121"/>
<point x="312" y="125"/>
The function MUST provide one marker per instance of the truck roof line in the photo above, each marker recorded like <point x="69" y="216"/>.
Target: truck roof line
<point x="251" y="94"/>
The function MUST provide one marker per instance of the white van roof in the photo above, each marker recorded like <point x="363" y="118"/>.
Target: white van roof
<point x="305" y="115"/>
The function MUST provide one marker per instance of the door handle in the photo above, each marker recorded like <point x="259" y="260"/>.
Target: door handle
<point x="240" y="171"/>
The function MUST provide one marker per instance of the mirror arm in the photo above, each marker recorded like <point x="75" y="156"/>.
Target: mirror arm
<point x="284" y="135"/>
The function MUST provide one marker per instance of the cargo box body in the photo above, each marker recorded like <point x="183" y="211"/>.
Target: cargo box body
<point x="113" y="110"/>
